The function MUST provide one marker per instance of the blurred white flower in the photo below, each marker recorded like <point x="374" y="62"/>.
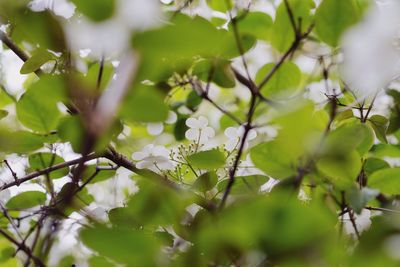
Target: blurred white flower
<point x="199" y="131"/>
<point x="362" y="221"/>
<point x="112" y="37"/>
<point x="62" y="8"/>
<point x="157" y="128"/>
<point x="153" y="157"/>
<point x="372" y="51"/>
<point x="235" y="135"/>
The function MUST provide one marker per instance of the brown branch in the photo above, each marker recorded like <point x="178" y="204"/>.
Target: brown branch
<point x="48" y="170"/>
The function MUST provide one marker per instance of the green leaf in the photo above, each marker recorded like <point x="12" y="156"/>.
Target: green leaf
<point x="220" y="5"/>
<point x="372" y="165"/>
<point x="386" y="180"/>
<point x="359" y="198"/>
<point x="128" y="246"/>
<point x="255" y="23"/>
<point x="34" y="63"/>
<point x="342" y="170"/>
<point x="206" y="181"/>
<point x="38" y="28"/>
<point x="20" y="141"/>
<point x="37" y="108"/>
<point x="96" y="10"/>
<point x="26" y="200"/>
<point x="145" y="104"/>
<point x="284" y="82"/>
<point x="380" y="125"/>
<point x="282" y="34"/>
<point x="41" y="161"/>
<point x="180" y="128"/>
<point x="244" y="185"/>
<point x="193" y="100"/>
<point x="269" y="158"/>
<point x="333" y="18"/>
<point x="217" y="70"/>
<point x="209" y="160"/>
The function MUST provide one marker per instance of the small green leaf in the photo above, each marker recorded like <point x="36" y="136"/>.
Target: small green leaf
<point x="20" y="141"/>
<point x="96" y="10"/>
<point x="283" y="82"/>
<point x="193" y="100"/>
<point x="34" y="63"/>
<point x="380" y="125"/>
<point x="209" y="160"/>
<point x="333" y="17"/>
<point x="26" y="200"/>
<point x="386" y="180"/>
<point x="128" y="246"/>
<point x="206" y="181"/>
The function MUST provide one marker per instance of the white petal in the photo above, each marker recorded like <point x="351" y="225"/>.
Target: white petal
<point x="231" y="132"/>
<point x="231" y="144"/>
<point x="161" y="151"/>
<point x="155" y="128"/>
<point x="203" y="122"/>
<point x="139" y="155"/>
<point x="144" y="164"/>
<point x="208" y="131"/>
<point x="172" y="117"/>
<point x="165" y="165"/>
<point x="251" y="135"/>
<point x="192" y="134"/>
<point x="148" y="149"/>
<point x="192" y="123"/>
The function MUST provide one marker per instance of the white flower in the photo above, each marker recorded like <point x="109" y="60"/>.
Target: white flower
<point x="371" y="51"/>
<point x="153" y="157"/>
<point x="61" y="8"/>
<point x="157" y="128"/>
<point x="235" y="135"/>
<point x="362" y="221"/>
<point x="199" y="131"/>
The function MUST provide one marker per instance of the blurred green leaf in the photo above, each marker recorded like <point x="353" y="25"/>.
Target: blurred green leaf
<point x="255" y="23"/>
<point x="37" y="59"/>
<point x="244" y="185"/>
<point x="358" y="198"/>
<point x="206" y="181"/>
<point x="217" y="70"/>
<point x="219" y="5"/>
<point x="380" y="125"/>
<point x="128" y="246"/>
<point x="209" y="160"/>
<point x="282" y="32"/>
<point x="333" y="17"/>
<point x="386" y="180"/>
<point x="26" y="200"/>
<point x="284" y="81"/>
<point x="37" y="108"/>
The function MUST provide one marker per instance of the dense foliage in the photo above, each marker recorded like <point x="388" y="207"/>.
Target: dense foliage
<point x="199" y="133"/>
